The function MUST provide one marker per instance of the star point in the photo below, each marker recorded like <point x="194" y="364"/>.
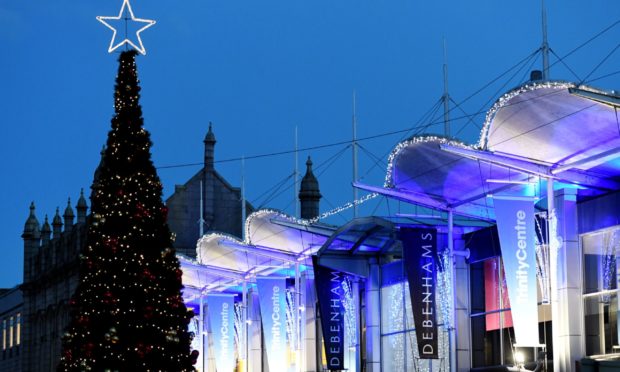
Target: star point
<point x="126" y="7"/>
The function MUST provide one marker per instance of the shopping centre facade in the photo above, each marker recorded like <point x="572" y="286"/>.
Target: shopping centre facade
<point x="509" y="258"/>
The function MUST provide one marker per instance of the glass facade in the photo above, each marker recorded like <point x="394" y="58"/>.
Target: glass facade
<point x="492" y="332"/>
<point x="398" y="337"/>
<point x="600" y="291"/>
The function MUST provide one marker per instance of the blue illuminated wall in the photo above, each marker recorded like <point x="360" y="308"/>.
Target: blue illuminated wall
<point x="599" y="213"/>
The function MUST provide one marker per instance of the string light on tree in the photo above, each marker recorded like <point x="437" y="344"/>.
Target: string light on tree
<point x="123" y="16"/>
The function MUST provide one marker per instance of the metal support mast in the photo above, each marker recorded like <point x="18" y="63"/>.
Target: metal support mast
<point x="244" y="327"/>
<point x="452" y="328"/>
<point x="243" y="210"/>
<point x="296" y="177"/>
<point x="446" y="95"/>
<point x="354" y="142"/>
<point x="545" y="44"/>
<point x="298" y="323"/>
<point x="201" y="221"/>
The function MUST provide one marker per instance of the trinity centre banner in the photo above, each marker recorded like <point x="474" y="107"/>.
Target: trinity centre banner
<point x="420" y="257"/>
<point x="515" y="225"/>
<point x="222" y="320"/>
<point x="330" y="293"/>
<point x="272" y="300"/>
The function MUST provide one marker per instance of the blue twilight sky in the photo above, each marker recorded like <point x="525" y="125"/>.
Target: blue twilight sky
<point x="257" y="69"/>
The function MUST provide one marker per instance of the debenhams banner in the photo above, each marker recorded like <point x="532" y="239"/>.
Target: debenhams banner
<point x="515" y="225"/>
<point x="272" y="300"/>
<point x="222" y="321"/>
<point x="330" y="293"/>
<point x="420" y="256"/>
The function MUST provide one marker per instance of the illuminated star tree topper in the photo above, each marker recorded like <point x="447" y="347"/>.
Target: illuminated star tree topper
<point x="126" y="15"/>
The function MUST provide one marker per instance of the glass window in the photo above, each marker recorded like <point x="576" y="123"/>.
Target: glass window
<point x="18" y="331"/>
<point x="491" y="322"/>
<point x="492" y="331"/>
<point x="4" y="334"/>
<point x="600" y="291"/>
<point x="11" y="332"/>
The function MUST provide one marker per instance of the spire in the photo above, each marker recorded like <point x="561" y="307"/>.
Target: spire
<point x="68" y="215"/>
<point x="209" y="142"/>
<point x="31" y="228"/>
<point x="81" y="208"/>
<point x="210" y="137"/>
<point x="309" y="193"/>
<point x="46" y="231"/>
<point x="57" y="224"/>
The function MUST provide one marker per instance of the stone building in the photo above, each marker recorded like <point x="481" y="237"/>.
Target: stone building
<point x="51" y="261"/>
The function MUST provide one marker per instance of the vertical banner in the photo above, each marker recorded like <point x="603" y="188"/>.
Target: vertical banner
<point x="329" y="292"/>
<point x="272" y="300"/>
<point x="420" y="256"/>
<point x="515" y="225"/>
<point x="221" y="318"/>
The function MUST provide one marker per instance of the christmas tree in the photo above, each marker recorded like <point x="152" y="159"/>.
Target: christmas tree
<point x="127" y="313"/>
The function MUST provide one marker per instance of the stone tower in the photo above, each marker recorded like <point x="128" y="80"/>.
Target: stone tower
<point x="220" y="201"/>
<point x="208" y="180"/>
<point x="309" y="194"/>
<point x="32" y="241"/>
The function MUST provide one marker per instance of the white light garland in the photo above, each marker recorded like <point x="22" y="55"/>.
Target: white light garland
<point x="214" y="235"/>
<point x="238" y="328"/>
<point x="290" y="315"/>
<point x="148" y="23"/>
<point x="194" y="327"/>
<point x="301" y="221"/>
<point x="609" y="263"/>
<point x="542" y="266"/>
<point x="389" y="178"/>
<point x="350" y="319"/>
<point x="444" y="277"/>
<point x="396" y="317"/>
<point x="504" y="100"/>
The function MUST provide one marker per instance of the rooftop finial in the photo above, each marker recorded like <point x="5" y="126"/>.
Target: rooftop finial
<point x="32" y="224"/>
<point x="68" y="215"/>
<point x="57" y="224"/>
<point x="81" y="208"/>
<point x="46" y="231"/>
<point x="210" y="137"/>
<point x="209" y="148"/>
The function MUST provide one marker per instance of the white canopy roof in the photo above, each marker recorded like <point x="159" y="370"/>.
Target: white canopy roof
<point x="558" y="124"/>
<point x="541" y="130"/>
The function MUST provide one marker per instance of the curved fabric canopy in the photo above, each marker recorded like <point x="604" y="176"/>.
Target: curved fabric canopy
<point x="424" y="174"/>
<point x="272" y="229"/>
<point x="558" y="124"/>
<point x="539" y="131"/>
<point x="274" y="242"/>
